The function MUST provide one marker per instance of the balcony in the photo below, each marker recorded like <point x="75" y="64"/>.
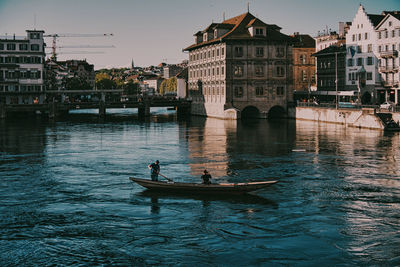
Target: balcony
<point x="389" y="69"/>
<point x="390" y="83"/>
<point x="390" y="53"/>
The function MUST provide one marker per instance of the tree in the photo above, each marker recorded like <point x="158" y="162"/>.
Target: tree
<point x="77" y="83"/>
<point x="106" y="84"/>
<point x="131" y="88"/>
<point x="169" y="85"/>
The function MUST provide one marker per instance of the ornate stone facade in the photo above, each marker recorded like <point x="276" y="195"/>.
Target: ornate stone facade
<point x="240" y="67"/>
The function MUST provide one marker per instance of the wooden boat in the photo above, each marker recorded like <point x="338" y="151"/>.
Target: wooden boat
<point x="223" y="188"/>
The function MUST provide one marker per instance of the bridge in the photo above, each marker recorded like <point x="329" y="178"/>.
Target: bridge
<point x="55" y="103"/>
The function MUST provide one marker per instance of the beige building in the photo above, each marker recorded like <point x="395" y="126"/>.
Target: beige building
<point x="303" y="63"/>
<point x="21" y="68"/>
<point x="241" y="67"/>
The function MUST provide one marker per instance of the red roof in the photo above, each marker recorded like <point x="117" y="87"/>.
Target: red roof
<point x="239" y="30"/>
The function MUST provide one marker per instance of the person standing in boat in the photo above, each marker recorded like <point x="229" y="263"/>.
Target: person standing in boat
<point x="206" y="177"/>
<point x="154" y="170"/>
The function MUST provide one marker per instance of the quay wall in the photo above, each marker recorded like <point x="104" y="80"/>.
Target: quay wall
<point x="364" y="118"/>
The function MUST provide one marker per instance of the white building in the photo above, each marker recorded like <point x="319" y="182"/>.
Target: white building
<point x="21" y="68"/>
<point x="327" y="38"/>
<point x="362" y="72"/>
<point x="154" y="82"/>
<point x="388" y="43"/>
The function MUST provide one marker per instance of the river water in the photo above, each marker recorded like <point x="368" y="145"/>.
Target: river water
<point x="65" y="196"/>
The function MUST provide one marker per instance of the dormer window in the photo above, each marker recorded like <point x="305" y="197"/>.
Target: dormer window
<point x="260" y="31"/>
<point x="215" y="33"/>
<point x="205" y="37"/>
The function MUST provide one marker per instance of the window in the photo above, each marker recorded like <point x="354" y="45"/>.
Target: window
<point x="222" y="70"/>
<point x="259" y="31"/>
<point x="354" y="37"/>
<point x="238" y="91"/>
<point x="359" y="36"/>
<point x="280" y="51"/>
<point x="379" y="48"/>
<point x="217" y="52"/>
<point x="34" y="35"/>
<point x="34" y="47"/>
<point x="23" y="47"/>
<point x="359" y="49"/>
<point x="370" y="60"/>
<point x="1" y="46"/>
<point x="369" y="76"/>
<point x="279" y="90"/>
<point x="217" y="70"/>
<point x="259" y="51"/>
<point x="238" y="51"/>
<point x="238" y="71"/>
<point x="280" y="71"/>
<point x="379" y="35"/>
<point x="359" y="61"/>
<point x="386" y="34"/>
<point x="222" y="51"/>
<point x="304" y="75"/>
<point x="11" y="46"/>
<point x="37" y="60"/>
<point x="259" y="70"/>
<point x="393" y="33"/>
<point x="350" y="62"/>
<point x="369" y="48"/>
<point x="349" y="76"/>
<point x="366" y="36"/>
<point x="259" y="91"/>
<point x="390" y="23"/>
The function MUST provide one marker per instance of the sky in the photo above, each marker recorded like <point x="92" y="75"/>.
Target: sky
<point x="153" y="31"/>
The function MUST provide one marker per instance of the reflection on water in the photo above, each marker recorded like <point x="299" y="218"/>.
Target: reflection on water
<point x="65" y="197"/>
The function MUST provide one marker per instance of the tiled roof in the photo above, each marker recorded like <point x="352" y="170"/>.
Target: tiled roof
<point x="256" y="22"/>
<point x="330" y="50"/>
<point x="375" y="19"/>
<point x="304" y="40"/>
<point x="240" y="30"/>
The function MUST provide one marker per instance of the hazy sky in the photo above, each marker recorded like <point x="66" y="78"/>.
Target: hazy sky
<point x="152" y="31"/>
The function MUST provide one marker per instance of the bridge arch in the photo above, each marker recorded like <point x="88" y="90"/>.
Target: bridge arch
<point x="277" y="112"/>
<point x="250" y="112"/>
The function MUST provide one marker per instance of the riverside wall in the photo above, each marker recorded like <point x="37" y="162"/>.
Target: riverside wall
<point x="360" y="118"/>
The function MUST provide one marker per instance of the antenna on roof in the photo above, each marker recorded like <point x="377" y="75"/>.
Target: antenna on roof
<point x="34" y="21"/>
<point x="223" y="16"/>
<point x="248" y="7"/>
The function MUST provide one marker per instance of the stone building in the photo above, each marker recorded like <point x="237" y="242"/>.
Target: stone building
<point x="362" y="64"/>
<point x="240" y="67"/>
<point x="388" y="43"/>
<point x="21" y="68"/>
<point x="303" y="62"/>
<point x="331" y="67"/>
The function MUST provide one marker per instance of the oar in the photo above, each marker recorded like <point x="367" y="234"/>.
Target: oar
<point x="170" y="180"/>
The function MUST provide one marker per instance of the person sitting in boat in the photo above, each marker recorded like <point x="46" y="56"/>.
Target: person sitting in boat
<point x="154" y="170"/>
<point x="206" y="177"/>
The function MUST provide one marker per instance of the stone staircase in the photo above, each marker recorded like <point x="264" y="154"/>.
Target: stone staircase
<point x="388" y="122"/>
